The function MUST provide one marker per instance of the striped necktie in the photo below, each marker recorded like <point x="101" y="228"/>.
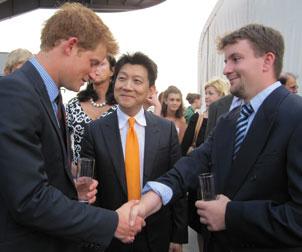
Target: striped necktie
<point x="241" y="127"/>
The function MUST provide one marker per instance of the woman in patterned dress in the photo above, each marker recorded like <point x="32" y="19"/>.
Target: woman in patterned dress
<point x="96" y="101"/>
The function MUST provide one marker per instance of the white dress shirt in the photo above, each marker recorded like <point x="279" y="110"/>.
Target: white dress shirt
<point x="139" y="126"/>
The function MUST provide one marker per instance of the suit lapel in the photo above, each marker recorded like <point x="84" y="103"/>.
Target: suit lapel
<point x="255" y="141"/>
<point x="114" y="146"/>
<point x="151" y="145"/>
<point x="224" y="135"/>
<point x="225" y="104"/>
<point x="39" y="86"/>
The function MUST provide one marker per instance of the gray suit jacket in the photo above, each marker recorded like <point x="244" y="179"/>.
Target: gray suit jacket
<point x="102" y="141"/>
<point x="217" y="109"/>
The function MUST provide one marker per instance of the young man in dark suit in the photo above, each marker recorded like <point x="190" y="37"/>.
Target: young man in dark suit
<point x="39" y="210"/>
<point x="158" y="149"/>
<point x="259" y="206"/>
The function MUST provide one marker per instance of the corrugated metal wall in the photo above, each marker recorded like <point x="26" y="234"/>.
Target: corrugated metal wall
<point x="229" y="15"/>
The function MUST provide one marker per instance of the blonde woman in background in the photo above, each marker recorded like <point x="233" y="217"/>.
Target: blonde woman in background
<point x="173" y="110"/>
<point x="215" y="89"/>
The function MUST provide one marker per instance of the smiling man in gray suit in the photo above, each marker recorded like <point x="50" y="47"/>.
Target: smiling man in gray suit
<point x="105" y="140"/>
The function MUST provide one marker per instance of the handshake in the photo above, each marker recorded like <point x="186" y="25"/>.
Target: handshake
<point x="132" y="215"/>
<point x="128" y="226"/>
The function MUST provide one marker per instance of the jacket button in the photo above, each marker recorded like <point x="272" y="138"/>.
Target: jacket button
<point x="253" y="178"/>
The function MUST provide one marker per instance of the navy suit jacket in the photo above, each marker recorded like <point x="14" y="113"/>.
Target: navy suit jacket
<point x="264" y="182"/>
<point x="39" y="210"/>
<point x="102" y="140"/>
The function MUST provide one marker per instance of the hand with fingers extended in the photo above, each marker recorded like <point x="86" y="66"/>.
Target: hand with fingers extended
<point x="124" y="231"/>
<point x="212" y="213"/>
<point x="87" y="190"/>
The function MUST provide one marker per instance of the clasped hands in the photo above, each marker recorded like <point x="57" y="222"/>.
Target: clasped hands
<point x="126" y="229"/>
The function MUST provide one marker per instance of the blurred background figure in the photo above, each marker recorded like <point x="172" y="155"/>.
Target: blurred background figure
<point x="195" y="132"/>
<point x="289" y="80"/>
<point x="95" y="101"/>
<point x="161" y="97"/>
<point x="173" y="110"/>
<point x="16" y="59"/>
<point x="218" y="108"/>
<point x="152" y="103"/>
<point x="195" y="103"/>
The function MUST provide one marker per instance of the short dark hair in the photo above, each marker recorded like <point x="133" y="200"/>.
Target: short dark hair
<point x="138" y="58"/>
<point x="283" y="80"/>
<point x="284" y="77"/>
<point x="263" y="39"/>
<point x="89" y="92"/>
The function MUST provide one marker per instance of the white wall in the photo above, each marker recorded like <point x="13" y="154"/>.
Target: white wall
<point x="229" y="15"/>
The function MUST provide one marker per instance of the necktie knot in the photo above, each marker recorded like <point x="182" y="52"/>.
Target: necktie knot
<point x="247" y="110"/>
<point x="241" y="127"/>
<point x="131" y="122"/>
<point x="58" y="100"/>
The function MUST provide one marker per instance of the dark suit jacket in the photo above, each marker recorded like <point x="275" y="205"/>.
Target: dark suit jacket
<point x="217" y="109"/>
<point x="37" y="212"/>
<point x="264" y="182"/>
<point x="102" y="141"/>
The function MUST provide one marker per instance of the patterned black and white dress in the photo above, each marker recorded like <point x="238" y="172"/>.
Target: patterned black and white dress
<point x="76" y="121"/>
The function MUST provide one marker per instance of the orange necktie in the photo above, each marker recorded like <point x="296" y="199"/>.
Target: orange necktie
<point x="132" y="163"/>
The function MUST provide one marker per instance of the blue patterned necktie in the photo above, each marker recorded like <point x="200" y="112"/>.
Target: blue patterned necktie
<point x="241" y="127"/>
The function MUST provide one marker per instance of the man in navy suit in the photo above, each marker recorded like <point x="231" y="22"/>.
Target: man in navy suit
<point x="105" y="140"/>
<point x="259" y="202"/>
<point x="39" y="210"/>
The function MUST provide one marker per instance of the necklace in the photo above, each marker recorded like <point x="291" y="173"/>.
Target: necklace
<point x="98" y="105"/>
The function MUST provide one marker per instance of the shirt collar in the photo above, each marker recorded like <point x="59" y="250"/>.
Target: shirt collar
<point x="123" y="118"/>
<point x="257" y="101"/>
<point x="49" y="83"/>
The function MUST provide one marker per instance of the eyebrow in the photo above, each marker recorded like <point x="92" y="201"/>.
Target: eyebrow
<point x="136" y="75"/>
<point x="231" y="56"/>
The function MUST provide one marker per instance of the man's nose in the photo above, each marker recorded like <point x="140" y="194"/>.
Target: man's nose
<point x="227" y="69"/>
<point x="92" y="75"/>
<point x="127" y="84"/>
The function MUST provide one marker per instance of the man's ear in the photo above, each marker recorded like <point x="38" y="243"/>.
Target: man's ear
<point x="6" y="71"/>
<point x="269" y="60"/>
<point x="152" y="90"/>
<point x="70" y="45"/>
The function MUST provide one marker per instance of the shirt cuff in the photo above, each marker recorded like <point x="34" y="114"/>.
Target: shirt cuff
<point x="165" y="192"/>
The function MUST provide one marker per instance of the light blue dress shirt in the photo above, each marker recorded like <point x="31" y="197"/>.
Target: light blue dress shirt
<point x="51" y="87"/>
